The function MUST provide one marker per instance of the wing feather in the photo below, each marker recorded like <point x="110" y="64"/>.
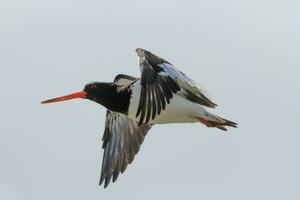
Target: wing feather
<point x="122" y="139"/>
<point x="121" y="142"/>
<point x="190" y="89"/>
<point x="160" y="81"/>
<point x="157" y="87"/>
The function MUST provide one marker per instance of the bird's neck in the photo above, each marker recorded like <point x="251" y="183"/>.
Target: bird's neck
<point x="114" y="99"/>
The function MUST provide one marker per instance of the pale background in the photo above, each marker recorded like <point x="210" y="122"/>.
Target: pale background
<point x="244" y="53"/>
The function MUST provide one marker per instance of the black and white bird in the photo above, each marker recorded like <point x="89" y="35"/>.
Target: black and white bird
<point x="162" y="95"/>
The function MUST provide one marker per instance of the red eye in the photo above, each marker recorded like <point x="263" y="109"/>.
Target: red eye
<point x="93" y="87"/>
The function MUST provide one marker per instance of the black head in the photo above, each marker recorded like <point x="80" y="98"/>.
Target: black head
<point x="96" y="90"/>
<point x="105" y="94"/>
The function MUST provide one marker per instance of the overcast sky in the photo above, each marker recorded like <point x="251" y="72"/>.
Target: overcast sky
<point x="244" y="53"/>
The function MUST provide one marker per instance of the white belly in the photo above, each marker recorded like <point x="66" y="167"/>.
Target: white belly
<point x="180" y="110"/>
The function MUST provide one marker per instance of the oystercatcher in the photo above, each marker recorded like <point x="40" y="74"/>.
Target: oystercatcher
<point x="162" y="95"/>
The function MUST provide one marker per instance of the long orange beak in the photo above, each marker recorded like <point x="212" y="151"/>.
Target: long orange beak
<point x="75" y="95"/>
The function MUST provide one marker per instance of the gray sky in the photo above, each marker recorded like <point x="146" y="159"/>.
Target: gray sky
<point x="244" y="53"/>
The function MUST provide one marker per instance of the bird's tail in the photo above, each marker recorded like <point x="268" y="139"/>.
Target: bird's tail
<point x="211" y="120"/>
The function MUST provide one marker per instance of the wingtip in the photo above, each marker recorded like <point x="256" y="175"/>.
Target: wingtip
<point x="213" y="105"/>
<point x="139" y="49"/>
<point x="232" y="124"/>
<point x="222" y="128"/>
<point x="140" y="52"/>
<point x="105" y="185"/>
<point x="101" y="179"/>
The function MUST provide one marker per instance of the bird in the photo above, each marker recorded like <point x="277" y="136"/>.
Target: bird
<point x="162" y="95"/>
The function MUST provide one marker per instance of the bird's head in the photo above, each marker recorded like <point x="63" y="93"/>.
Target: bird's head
<point x="93" y="91"/>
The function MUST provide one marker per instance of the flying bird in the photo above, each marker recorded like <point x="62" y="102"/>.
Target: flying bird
<point x="162" y="95"/>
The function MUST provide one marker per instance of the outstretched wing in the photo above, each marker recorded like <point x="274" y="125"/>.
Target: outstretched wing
<point x="157" y="87"/>
<point x="189" y="88"/>
<point x="160" y="80"/>
<point x="121" y="142"/>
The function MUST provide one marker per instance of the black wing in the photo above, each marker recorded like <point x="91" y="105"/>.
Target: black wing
<point x="157" y="86"/>
<point x="121" y="142"/>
